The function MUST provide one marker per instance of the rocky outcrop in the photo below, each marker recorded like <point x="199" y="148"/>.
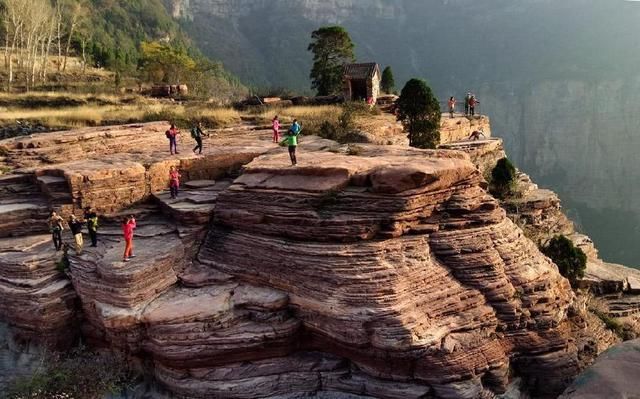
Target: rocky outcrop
<point x="389" y="274"/>
<point x="375" y="237"/>
<point x="111" y="169"/>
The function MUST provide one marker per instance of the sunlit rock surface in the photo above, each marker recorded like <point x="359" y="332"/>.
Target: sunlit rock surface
<point x="388" y="274"/>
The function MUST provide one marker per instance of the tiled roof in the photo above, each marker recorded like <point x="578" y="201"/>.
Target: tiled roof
<point x="361" y="71"/>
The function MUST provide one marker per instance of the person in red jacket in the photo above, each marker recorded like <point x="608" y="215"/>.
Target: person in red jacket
<point x="128" y="225"/>
<point x="174" y="181"/>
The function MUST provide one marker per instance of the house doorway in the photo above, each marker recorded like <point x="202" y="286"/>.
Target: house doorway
<point x="358" y="89"/>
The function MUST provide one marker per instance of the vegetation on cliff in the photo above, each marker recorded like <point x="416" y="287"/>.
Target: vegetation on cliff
<point x="503" y="177"/>
<point x="419" y="112"/>
<point x="571" y="261"/>
<point x="77" y="374"/>
<point x="133" y="39"/>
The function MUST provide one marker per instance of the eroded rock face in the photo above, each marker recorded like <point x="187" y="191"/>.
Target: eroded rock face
<point x="390" y="274"/>
<point x="36" y="298"/>
<point x="432" y="275"/>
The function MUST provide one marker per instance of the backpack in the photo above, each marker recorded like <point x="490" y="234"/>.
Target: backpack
<point x="168" y="134"/>
<point x="194" y="133"/>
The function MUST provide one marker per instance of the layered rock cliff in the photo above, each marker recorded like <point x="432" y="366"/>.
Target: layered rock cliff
<point x="387" y="274"/>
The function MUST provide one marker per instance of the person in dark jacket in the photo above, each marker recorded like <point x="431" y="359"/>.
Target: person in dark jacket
<point x="197" y="133"/>
<point x="467" y="98"/>
<point x="92" y="225"/>
<point x="172" y="135"/>
<point x="76" y="229"/>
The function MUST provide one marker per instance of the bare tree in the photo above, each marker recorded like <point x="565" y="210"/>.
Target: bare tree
<point x="29" y="28"/>
<point x="74" y="12"/>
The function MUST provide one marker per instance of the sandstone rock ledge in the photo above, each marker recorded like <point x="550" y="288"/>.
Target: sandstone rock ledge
<point x="390" y="274"/>
<point x="402" y="265"/>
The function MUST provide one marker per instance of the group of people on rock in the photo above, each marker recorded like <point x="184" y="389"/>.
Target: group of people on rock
<point x="470" y="103"/>
<point x="290" y="139"/>
<point x="57" y="224"/>
<point x="56" y="227"/>
<point x="196" y="133"/>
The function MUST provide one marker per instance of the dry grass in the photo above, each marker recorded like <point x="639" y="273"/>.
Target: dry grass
<point x="40" y="100"/>
<point x="299" y="112"/>
<point x="310" y="117"/>
<point x="95" y="115"/>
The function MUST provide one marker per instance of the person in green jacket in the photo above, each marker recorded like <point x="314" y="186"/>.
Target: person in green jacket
<point x="291" y="140"/>
<point x="92" y="225"/>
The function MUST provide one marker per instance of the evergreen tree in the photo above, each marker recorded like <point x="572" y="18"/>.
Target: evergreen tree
<point x="332" y="48"/>
<point x="419" y="112"/>
<point x="571" y="260"/>
<point x="388" y="84"/>
<point x="503" y="178"/>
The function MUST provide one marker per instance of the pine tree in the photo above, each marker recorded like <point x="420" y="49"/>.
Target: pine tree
<point x="503" y="178"/>
<point x="388" y="84"/>
<point x="332" y="48"/>
<point x="419" y="112"/>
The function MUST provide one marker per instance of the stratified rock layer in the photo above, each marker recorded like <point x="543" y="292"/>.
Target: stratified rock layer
<point x="400" y="263"/>
<point x="390" y="274"/>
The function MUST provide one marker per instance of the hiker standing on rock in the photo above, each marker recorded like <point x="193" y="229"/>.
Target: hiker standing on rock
<point x="76" y="229"/>
<point x="128" y="225"/>
<point x="92" y="225"/>
<point x="467" y="99"/>
<point x="56" y="227"/>
<point x="452" y="105"/>
<point x="473" y="101"/>
<point x="172" y="135"/>
<point x="275" y="125"/>
<point x="197" y="133"/>
<point x="291" y="141"/>
<point x="174" y="181"/>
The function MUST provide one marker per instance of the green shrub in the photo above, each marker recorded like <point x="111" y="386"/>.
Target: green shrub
<point x="342" y="130"/>
<point x="571" y="260"/>
<point x="424" y="135"/>
<point x="78" y="374"/>
<point x="503" y="177"/>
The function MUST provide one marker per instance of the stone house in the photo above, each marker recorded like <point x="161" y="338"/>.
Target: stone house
<point x="361" y="81"/>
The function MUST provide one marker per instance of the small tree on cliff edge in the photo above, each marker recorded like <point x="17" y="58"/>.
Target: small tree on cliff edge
<point x="571" y="260"/>
<point x="388" y="83"/>
<point x="332" y="48"/>
<point x="419" y="112"/>
<point x="503" y="178"/>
